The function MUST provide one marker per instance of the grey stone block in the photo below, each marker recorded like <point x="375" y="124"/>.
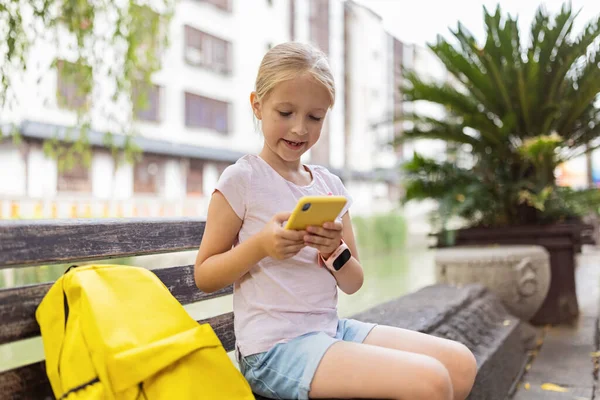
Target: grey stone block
<point x="471" y="315"/>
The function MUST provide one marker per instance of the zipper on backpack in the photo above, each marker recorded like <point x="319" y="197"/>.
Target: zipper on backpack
<point x="141" y="391"/>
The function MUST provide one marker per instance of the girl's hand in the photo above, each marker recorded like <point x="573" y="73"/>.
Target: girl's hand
<point x="325" y="239"/>
<point x="280" y="243"/>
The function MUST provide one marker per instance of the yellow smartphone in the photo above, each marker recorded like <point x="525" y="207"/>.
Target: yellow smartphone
<point x="315" y="211"/>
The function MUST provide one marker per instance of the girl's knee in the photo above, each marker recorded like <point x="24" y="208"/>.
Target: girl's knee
<point x="465" y="370"/>
<point x="436" y="383"/>
<point x="467" y="360"/>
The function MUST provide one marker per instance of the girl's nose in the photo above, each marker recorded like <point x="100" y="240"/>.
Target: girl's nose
<point x="300" y="127"/>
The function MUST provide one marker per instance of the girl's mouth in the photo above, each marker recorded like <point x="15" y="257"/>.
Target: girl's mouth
<point x="293" y="145"/>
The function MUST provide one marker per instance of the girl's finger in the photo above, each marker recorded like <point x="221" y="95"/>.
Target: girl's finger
<point x="288" y="242"/>
<point x="317" y="240"/>
<point x="327" y="233"/>
<point x="294" y="247"/>
<point x="334" y="226"/>
<point x="288" y="234"/>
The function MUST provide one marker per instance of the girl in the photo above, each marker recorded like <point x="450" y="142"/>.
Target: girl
<point x="290" y="342"/>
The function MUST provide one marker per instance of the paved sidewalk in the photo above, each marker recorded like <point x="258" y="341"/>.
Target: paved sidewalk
<point x="565" y="363"/>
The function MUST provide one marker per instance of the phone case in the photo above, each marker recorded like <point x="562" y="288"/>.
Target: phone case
<point x="315" y="210"/>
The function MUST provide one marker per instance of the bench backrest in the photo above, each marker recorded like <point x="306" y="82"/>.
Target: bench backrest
<point x="45" y="242"/>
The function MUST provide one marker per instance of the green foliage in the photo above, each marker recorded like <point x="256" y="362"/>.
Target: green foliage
<point x="119" y="42"/>
<point x="515" y="110"/>
<point x="79" y="76"/>
<point x="381" y="232"/>
<point x="70" y="151"/>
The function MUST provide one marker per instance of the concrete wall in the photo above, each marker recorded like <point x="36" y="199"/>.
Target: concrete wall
<point x="102" y="175"/>
<point x="12" y="171"/>
<point x="42" y="174"/>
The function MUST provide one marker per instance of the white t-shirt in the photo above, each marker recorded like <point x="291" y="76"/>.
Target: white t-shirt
<point x="278" y="300"/>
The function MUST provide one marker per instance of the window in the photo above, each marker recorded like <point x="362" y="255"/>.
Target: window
<point x="146" y="102"/>
<point x="202" y="112"/>
<point x="146" y="175"/>
<point x="74" y="85"/>
<point x="195" y="178"/>
<point x="75" y="179"/>
<point x="204" y="50"/>
<point x="222" y="4"/>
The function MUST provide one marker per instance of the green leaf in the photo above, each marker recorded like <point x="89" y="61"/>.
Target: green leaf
<point x="514" y="111"/>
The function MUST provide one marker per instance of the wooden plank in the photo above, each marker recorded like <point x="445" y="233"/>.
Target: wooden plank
<point x="18" y="305"/>
<point x="223" y="327"/>
<point x="27" y="382"/>
<point x="180" y="281"/>
<point x="43" y="242"/>
<point x="17" y="312"/>
<point x="31" y="381"/>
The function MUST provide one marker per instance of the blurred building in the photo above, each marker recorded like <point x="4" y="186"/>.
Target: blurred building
<point x="199" y="118"/>
<point x="370" y="83"/>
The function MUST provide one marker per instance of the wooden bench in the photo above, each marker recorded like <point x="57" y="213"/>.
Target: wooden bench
<point x="470" y="314"/>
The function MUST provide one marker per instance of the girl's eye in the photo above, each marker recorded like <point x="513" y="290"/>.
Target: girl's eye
<point x="285" y="114"/>
<point x="315" y="118"/>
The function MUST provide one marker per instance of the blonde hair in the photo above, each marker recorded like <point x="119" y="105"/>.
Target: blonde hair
<point x="289" y="60"/>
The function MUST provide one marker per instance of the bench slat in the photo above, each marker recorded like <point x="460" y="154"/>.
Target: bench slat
<point x="31" y="381"/>
<point x="62" y="241"/>
<point x="18" y="305"/>
<point x="27" y="382"/>
<point x="223" y="327"/>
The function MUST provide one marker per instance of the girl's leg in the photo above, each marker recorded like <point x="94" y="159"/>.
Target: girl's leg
<point x="457" y="358"/>
<point x="356" y="370"/>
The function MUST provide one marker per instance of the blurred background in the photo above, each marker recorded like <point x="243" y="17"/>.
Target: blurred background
<point x="73" y="146"/>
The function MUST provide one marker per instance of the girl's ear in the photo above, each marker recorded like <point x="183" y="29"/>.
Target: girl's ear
<point x="255" y="105"/>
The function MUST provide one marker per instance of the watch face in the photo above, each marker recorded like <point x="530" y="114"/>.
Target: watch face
<point x="342" y="259"/>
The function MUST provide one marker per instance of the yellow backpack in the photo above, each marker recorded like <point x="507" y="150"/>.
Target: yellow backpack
<point x="116" y="332"/>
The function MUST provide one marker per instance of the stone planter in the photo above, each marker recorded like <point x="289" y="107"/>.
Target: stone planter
<point x="518" y="275"/>
<point x="563" y="241"/>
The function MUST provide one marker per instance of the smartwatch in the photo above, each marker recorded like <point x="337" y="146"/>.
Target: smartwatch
<point x="337" y="259"/>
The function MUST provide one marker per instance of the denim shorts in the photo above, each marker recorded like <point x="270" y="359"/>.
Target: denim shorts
<point x="287" y="369"/>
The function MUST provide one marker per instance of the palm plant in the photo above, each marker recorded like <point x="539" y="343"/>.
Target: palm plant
<point x="516" y="110"/>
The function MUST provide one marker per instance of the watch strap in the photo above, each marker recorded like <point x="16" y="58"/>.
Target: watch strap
<point x="337" y="259"/>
